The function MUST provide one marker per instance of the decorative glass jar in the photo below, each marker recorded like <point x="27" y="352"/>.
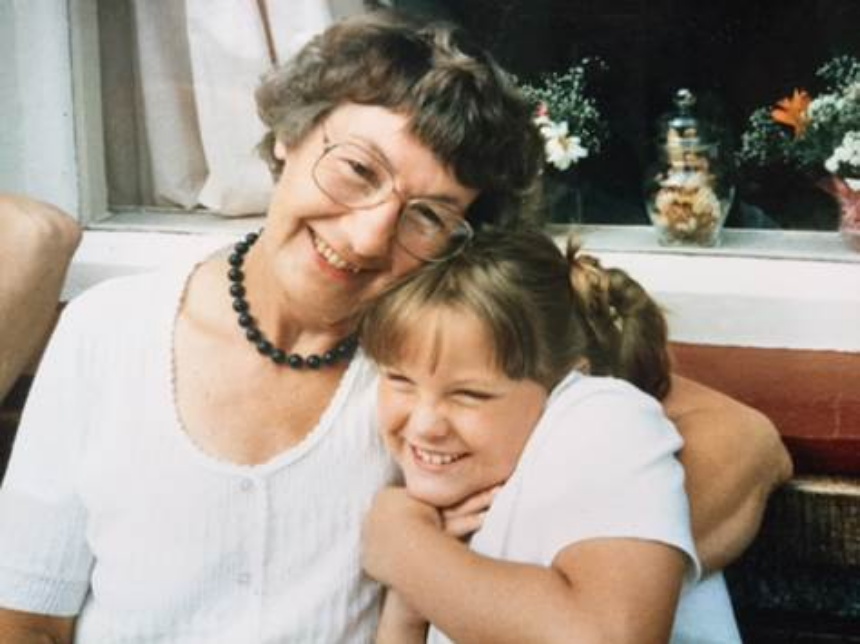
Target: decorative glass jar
<point x="688" y="194"/>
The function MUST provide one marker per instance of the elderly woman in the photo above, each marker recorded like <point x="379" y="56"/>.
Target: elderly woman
<point x="199" y="446"/>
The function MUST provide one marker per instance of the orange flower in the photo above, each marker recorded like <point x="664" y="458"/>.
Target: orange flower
<point x="793" y="112"/>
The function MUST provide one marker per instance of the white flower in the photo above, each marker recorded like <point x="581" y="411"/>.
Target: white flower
<point x="561" y="150"/>
<point x="822" y="107"/>
<point x="846" y="154"/>
<point x="542" y="120"/>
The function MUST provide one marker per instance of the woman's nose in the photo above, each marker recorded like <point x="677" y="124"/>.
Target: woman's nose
<point x="372" y="230"/>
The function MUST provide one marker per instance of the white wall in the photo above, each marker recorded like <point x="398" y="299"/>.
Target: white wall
<point x="37" y="152"/>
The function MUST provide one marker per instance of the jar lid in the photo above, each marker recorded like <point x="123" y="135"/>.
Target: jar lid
<point x="683" y="129"/>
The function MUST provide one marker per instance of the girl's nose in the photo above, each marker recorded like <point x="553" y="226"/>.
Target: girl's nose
<point x="428" y="422"/>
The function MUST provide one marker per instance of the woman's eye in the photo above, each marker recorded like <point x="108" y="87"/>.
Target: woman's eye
<point x="425" y="217"/>
<point x="364" y="173"/>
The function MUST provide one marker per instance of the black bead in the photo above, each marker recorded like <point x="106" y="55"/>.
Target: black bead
<point x="253" y="333"/>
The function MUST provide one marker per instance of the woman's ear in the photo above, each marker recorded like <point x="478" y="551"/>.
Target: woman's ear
<point x="280" y="150"/>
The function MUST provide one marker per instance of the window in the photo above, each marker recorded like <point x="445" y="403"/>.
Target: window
<point x="735" y="55"/>
<point x="730" y="295"/>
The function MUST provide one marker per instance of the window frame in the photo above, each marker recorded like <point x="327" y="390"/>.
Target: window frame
<point x="789" y="289"/>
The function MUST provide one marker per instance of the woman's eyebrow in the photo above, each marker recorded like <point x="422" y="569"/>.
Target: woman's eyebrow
<point x="380" y="154"/>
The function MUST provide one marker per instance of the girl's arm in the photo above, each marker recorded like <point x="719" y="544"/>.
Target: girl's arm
<point x="399" y="623"/>
<point x="620" y="590"/>
<point x="734" y="458"/>
<point x="29" y="628"/>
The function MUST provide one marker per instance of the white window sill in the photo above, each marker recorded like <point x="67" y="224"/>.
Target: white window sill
<point x="759" y="289"/>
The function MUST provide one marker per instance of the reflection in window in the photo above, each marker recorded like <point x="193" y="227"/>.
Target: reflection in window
<point x="735" y="55"/>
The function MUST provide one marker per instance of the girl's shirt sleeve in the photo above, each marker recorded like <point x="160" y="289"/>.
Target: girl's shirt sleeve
<point x="601" y="463"/>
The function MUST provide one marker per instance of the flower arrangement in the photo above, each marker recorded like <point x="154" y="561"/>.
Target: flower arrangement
<point x="818" y="135"/>
<point x="568" y="118"/>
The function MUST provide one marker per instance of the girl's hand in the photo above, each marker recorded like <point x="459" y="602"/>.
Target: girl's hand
<point x="388" y="524"/>
<point x="466" y="517"/>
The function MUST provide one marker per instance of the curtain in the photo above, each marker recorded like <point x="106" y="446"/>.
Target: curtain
<point x="178" y="90"/>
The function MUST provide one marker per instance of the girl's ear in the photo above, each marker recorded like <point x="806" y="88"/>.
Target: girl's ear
<point x="280" y="150"/>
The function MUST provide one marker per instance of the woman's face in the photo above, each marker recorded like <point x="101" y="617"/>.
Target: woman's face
<point x="328" y="257"/>
<point x="451" y="419"/>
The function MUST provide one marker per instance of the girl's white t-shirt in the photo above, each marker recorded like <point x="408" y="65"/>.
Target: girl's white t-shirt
<point x="601" y="463"/>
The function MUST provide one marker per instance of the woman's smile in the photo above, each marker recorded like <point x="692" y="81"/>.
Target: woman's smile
<point x="332" y="259"/>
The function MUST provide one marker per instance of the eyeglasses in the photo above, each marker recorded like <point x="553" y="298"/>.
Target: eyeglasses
<point x="355" y="177"/>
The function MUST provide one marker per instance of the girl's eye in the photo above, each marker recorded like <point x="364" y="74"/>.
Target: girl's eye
<point x="473" y="395"/>
<point x="396" y="378"/>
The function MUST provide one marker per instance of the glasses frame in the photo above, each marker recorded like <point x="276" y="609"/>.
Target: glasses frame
<point x="465" y="234"/>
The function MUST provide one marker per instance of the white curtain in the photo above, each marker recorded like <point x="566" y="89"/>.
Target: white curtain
<point x="196" y="64"/>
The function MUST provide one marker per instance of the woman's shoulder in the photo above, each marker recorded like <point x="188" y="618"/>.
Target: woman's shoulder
<point x="127" y="301"/>
<point x="135" y="290"/>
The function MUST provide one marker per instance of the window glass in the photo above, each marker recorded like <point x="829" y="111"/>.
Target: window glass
<point x="735" y="55"/>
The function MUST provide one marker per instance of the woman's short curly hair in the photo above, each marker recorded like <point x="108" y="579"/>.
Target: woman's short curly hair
<point x="461" y="104"/>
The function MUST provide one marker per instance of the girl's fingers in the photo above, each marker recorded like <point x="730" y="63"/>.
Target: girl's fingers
<point x="463" y="526"/>
<point x="478" y="502"/>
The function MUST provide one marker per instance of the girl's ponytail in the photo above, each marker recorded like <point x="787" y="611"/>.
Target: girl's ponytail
<point x="628" y="333"/>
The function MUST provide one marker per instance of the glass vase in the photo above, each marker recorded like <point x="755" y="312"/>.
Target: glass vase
<point x="561" y="198"/>
<point x="847" y="195"/>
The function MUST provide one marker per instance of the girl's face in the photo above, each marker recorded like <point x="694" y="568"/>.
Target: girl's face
<point x="453" y="421"/>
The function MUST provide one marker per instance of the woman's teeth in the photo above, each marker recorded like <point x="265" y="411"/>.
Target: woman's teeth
<point x="332" y="257"/>
<point x="435" y="458"/>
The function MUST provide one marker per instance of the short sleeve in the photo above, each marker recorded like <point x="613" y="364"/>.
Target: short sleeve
<point x="602" y="464"/>
<point x="45" y="562"/>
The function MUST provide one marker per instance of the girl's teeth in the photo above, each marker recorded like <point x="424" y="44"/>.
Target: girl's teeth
<point x="435" y="458"/>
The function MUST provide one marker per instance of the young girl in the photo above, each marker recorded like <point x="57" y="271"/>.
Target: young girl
<point x="500" y="366"/>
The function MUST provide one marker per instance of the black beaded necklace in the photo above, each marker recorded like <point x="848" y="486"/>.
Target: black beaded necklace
<point x="343" y="351"/>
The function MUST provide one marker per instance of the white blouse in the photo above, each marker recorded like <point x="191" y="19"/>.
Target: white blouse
<point x="110" y="512"/>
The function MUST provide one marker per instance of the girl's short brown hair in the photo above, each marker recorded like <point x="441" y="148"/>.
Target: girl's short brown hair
<point x="545" y="313"/>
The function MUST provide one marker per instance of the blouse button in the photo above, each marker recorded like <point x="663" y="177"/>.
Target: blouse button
<point x="247" y="485"/>
<point x="244" y="579"/>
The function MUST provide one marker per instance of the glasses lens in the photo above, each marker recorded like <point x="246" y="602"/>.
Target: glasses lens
<point x="352" y="176"/>
<point x="432" y="231"/>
